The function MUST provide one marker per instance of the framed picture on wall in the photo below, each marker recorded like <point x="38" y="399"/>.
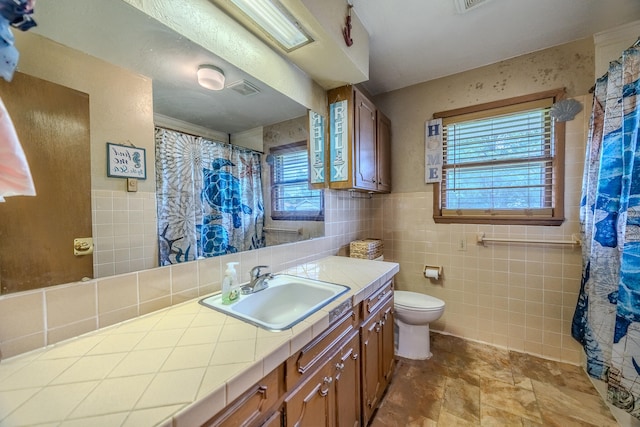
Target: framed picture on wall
<point x="126" y="162"/>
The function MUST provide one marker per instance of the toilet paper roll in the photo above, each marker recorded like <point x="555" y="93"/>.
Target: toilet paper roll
<point x="432" y="272"/>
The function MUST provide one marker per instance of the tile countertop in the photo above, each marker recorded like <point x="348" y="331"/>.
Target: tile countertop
<point x="177" y="366"/>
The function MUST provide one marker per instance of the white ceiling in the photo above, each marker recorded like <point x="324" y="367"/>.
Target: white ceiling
<point x="413" y="41"/>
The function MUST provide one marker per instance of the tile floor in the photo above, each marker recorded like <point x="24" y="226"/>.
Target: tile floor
<point x="470" y="384"/>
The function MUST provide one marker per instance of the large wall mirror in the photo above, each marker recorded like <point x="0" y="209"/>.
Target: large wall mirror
<point x="138" y="74"/>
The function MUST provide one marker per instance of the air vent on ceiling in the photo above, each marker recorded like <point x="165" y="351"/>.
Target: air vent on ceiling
<point x="463" y="6"/>
<point x="244" y="88"/>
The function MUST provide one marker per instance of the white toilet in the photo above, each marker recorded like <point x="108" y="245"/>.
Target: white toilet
<point x="414" y="312"/>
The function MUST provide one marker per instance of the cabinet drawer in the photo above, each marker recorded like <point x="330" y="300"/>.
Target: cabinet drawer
<point x="377" y="299"/>
<point x="315" y="353"/>
<point x="255" y="404"/>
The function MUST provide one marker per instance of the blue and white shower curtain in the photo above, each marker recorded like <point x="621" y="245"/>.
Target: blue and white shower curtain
<point x="607" y="316"/>
<point x="209" y="197"/>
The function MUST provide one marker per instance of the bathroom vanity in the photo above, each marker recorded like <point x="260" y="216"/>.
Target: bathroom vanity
<point x="335" y="380"/>
<point x="189" y="365"/>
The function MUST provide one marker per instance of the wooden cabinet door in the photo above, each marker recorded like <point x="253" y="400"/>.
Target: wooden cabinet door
<point x="370" y="349"/>
<point x="310" y="404"/>
<point x="274" y="420"/>
<point x="384" y="152"/>
<point x="386" y="342"/>
<point x="346" y="396"/>
<point x="364" y="155"/>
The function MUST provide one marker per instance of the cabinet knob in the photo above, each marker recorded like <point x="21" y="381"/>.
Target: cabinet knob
<point x="325" y="390"/>
<point x="354" y="356"/>
<point x="339" y="366"/>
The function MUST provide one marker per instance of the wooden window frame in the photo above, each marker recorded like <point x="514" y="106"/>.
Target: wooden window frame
<point x="556" y="215"/>
<point x="278" y="215"/>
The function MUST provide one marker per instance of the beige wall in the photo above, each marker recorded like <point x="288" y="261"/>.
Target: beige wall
<point x="519" y="296"/>
<point x="570" y="65"/>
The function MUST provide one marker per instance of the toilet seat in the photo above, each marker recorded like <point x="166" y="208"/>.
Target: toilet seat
<point x="414" y="301"/>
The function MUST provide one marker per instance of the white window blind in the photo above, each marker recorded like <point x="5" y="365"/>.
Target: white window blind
<point x="501" y="163"/>
<point x="291" y="198"/>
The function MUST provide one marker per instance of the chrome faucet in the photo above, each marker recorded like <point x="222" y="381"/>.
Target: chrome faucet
<point x="258" y="281"/>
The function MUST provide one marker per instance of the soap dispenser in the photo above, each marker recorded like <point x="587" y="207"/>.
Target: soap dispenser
<point x="230" y="291"/>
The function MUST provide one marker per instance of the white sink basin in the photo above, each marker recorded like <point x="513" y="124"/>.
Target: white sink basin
<point x="286" y="301"/>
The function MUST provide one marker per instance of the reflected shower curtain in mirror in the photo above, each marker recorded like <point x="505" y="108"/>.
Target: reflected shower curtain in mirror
<point x="607" y="316"/>
<point x="209" y="197"/>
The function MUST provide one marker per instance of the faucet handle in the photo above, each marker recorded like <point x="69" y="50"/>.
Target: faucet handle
<point x="255" y="271"/>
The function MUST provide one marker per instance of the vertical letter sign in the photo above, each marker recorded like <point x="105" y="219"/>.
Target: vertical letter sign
<point x="433" y="151"/>
<point x="338" y="140"/>
<point x="316" y="134"/>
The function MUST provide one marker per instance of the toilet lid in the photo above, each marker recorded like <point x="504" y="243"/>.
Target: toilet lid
<point x="416" y="301"/>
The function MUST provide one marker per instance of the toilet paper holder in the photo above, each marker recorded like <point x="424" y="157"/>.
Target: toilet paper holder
<point x="432" y="271"/>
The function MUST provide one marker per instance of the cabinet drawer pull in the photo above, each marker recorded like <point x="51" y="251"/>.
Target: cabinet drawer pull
<point x="339" y="366"/>
<point x="263" y="390"/>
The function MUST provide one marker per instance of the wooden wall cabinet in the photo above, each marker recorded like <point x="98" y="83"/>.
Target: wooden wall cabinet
<point x="359" y="143"/>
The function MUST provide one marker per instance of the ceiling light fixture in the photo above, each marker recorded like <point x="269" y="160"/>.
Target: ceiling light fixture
<point x="275" y="21"/>
<point x="463" y="6"/>
<point x="210" y="77"/>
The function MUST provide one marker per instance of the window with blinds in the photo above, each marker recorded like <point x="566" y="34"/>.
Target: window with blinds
<point x="502" y="164"/>
<point x="291" y="198"/>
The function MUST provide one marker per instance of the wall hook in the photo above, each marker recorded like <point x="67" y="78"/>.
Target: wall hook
<point x="346" y="31"/>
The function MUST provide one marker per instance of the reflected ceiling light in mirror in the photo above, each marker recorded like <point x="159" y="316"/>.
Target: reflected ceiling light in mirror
<point x="276" y="21"/>
<point x="210" y="77"/>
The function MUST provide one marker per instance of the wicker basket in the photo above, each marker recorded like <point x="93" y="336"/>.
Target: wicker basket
<point x="366" y="248"/>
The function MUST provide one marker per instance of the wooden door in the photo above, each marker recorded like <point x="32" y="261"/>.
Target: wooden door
<point x="364" y="161"/>
<point x="346" y="398"/>
<point x="370" y="349"/>
<point x="384" y="152"/>
<point x="36" y="233"/>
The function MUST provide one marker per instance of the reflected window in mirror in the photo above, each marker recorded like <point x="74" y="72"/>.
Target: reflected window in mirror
<point x="291" y="198"/>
